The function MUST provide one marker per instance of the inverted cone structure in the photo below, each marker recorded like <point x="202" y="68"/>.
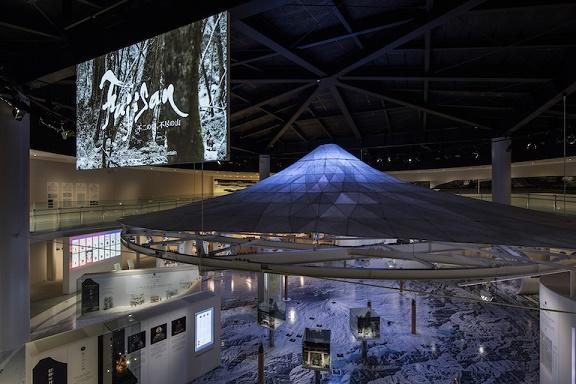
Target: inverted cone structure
<point x="331" y="191"/>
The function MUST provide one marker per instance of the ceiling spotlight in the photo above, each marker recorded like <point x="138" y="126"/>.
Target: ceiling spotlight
<point x="410" y="160"/>
<point x="532" y="146"/>
<point x="64" y="134"/>
<point x="389" y="159"/>
<point x="17" y="113"/>
<point x="379" y="160"/>
<point x="572" y="139"/>
<point x="475" y="154"/>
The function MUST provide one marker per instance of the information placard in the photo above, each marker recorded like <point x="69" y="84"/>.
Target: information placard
<point x="204" y="329"/>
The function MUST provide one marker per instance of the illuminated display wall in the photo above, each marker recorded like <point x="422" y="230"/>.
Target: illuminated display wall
<point x="160" y="101"/>
<point x="95" y="247"/>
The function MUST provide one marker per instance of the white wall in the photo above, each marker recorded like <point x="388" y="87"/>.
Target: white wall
<point x="556" y="340"/>
<point x="118" y="184"/>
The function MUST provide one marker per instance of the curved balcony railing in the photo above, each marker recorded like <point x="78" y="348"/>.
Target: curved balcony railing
<point x="44" y="219"/>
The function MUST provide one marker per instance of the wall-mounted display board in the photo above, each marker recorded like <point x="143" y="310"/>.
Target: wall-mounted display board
<point x="67" y="195"/>
<point x="81" y="193"/>
<point x="271" y="307"/>
<point x="115" y="292"/>
<point x="94" y="247"/>
<point x="52" y="195"/>
<point x="151" y="346"/>
<point x="160" y="101"/>
<point x="204" y="337"/>
<point x="364" y="323"/>
<point x="93" y="194"/>
<point x="316" y="349"/>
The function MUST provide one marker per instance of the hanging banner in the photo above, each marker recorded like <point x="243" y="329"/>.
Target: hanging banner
<point x="159" y="101"/>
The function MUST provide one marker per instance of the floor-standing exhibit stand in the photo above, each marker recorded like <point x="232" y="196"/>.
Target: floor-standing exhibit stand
<point x="14" y="229"/>
<point x="316" y="351"/>
<point x="365" y="325"/>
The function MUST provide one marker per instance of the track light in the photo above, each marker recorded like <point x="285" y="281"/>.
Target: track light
<point x="17" y="113"/>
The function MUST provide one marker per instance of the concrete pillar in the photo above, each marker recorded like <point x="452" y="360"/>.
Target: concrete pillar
<point x="264" y="166"/>
<point x="501" y="170"/>
<point x="50" y="261"/>
<point x="14" y="230"/>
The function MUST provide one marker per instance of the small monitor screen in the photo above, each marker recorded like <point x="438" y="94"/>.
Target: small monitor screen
<point x="204" y="329"/>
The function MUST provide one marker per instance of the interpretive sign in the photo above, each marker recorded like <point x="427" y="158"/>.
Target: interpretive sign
<point x="204" y="329"/>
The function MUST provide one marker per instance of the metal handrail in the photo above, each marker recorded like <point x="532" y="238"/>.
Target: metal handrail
<point x="54" y="219"/>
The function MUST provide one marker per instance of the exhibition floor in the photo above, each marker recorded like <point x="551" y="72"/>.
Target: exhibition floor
<point x="477" y="342"/>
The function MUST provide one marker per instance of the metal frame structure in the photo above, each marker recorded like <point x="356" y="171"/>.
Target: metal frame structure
<point x="415" y="76"/>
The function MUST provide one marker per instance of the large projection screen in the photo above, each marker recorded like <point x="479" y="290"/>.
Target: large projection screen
<point x="160" y="101"/>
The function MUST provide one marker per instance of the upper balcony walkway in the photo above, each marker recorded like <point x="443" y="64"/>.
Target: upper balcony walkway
<point x="44" y="220"/>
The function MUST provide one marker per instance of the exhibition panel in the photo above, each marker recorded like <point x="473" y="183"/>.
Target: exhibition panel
<point x="173" y="342"/>
<point x="110" y="293"/>
<point x="90" y="253"/>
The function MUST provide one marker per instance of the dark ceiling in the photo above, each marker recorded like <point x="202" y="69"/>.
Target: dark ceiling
<point x="409" y="83"/>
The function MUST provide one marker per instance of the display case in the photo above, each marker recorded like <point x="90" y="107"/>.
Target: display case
<point x="271" y="307"/>
<point x="364" y="323"/>
<point x="316" y="349"/>
<point x="120" y="291"/>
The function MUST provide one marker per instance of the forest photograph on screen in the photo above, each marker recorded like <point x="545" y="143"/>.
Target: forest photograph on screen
<point x="160" y="101"/>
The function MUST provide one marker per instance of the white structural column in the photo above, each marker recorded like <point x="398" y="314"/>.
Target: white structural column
<point x="14" y="230"/>
<point x="264" y="166"/>
<point x="501" y="170"/>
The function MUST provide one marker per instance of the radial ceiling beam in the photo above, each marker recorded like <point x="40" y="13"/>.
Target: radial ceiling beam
<point x="253" y="59"/>
<point x="321" y="123"/>
<point x="29" y="30"/>
<point x="344" y="21"/>
<point x="294" y="117"/>
<point x="549" y="101"/>
<point x="272" y="80"/>
<point x="299" y="132"/>
<point x="418" y="31"/>
<point x="349" y="35"/>
<point x="344" y="109"/>
<point x="255" y="7"/>
<point x="414" y="106"/>
<point x="258" y="36"/>
<point x="257" y="131"/>
<point x="269" y="100"/>
<point x="448" y="79"/>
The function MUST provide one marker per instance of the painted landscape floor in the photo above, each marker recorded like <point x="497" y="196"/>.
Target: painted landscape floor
<point x="476" y="342"/>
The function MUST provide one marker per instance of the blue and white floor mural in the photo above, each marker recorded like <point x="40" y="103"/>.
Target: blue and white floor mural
<point x="474" y="342"/>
